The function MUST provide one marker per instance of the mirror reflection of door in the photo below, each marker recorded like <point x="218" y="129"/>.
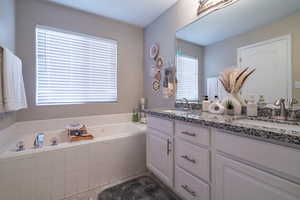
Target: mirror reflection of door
<point x="272" y="60"/>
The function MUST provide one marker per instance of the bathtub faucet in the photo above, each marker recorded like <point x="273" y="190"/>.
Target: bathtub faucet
<point x="39" y="140"/>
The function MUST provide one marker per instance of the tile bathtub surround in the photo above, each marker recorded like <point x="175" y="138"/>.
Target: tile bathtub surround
<point x="272" y="135"/>
<point x="141" y="188"/>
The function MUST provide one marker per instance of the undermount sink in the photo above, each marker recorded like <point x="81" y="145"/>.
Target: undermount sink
<point x="283" y="126"/>
<point x="180" y="112"/>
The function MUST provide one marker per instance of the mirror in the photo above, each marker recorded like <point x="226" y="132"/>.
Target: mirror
<point x="264" y="35"/>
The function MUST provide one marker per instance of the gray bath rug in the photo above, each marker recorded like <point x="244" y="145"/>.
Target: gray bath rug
<point x="143" y="188"/>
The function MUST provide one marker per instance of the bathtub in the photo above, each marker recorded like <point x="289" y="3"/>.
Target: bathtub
<point x="55" y="172"/>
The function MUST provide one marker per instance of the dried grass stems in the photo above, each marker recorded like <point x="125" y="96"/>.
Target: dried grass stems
<point x="234" y="78"/>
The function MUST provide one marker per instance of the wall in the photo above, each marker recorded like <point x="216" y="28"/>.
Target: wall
<point x="226" y="51"/>
<point x="130" y="56"/>
<point x="196" y="51"/>
<point x="7" y="39"/>
<point x="162" y="31"/>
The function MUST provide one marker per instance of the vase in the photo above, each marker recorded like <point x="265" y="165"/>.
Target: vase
<point x="229" y="112"/>
<point x="236" y="101"/>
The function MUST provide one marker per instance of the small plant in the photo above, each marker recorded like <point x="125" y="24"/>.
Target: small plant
<point x="229" y="105"/>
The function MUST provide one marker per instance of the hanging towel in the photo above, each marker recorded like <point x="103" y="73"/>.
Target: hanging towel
<point x="13" y="83"/>
<point x="2" y="110"/>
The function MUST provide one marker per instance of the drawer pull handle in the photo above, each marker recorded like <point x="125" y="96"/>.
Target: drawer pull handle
<point x="186" y="188"/>
<point x="189" y="134"/>
<point x="189" y="159"/>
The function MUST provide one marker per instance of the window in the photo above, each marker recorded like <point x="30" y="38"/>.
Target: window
<point x="187" y="76"/>
<point x="74" y="68"/>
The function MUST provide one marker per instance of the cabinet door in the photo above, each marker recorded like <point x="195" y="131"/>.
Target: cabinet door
<point x="160" y="156"/>
<point x="237" y="181"/>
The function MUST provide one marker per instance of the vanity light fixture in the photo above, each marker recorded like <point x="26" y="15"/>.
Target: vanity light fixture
<point x="208" y="6"/>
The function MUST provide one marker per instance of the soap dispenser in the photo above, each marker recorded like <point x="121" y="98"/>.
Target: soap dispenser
<point x="205" y="104"/>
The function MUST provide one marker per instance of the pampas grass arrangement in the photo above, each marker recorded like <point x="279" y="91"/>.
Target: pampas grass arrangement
<point x="233" y="79"/>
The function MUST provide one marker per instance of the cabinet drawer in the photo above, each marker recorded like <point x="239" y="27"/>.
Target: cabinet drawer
<point x="192" y="158"/>
<point x="192" y="133"/>
<point x="270" y="156"/>
<point x="162" y="125"/>
<point x="190" y="187"/>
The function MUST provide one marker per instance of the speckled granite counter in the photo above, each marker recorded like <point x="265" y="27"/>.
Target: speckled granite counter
<point x="233" y="125"/>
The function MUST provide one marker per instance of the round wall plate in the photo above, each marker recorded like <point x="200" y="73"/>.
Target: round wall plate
<point x="157" y="75"/>
<point x="156" y="85"/>
<point x="159" y="62"/>
<point x="154" y="51"/>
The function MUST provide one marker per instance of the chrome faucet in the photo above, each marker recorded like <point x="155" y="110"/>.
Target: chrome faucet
<point x="39" y="140"/>
<point x="186" y="102"/>
<point x="283" y="111"/>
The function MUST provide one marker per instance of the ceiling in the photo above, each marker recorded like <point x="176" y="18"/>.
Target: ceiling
<point x="136" y="12"/>
<point x="241" y="17"/>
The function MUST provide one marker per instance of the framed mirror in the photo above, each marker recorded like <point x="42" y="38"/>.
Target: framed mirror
<point x="264" y="35"/>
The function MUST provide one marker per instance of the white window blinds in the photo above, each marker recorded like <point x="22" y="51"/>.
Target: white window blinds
<point x="187" y="76"/>
<point x="74" y="68"/>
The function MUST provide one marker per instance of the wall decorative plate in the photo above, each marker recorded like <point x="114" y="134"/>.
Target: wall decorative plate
<point x="159" y="62"/>
<point x="157" y="75"/>
<point x="155" y="85"/>
<point x="154" y="51"/>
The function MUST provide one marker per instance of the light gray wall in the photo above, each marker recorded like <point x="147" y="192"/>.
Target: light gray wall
<point x="196" y="51"/>
<point x="223" y="54"/>
<point x="162" y="31"/>
<point x="7" y="39"/>
<point x="7" y="24"/>
<point x="130" y="56"/>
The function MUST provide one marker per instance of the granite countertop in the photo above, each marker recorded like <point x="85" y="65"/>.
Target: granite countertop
<point x="234" y="125"/>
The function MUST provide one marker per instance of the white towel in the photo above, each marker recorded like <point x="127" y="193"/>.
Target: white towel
<point x="2" y="110"/>
<point x="13" y="83"/>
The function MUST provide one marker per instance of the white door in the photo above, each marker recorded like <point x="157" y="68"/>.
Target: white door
<point x="160" y="156"/>
<point x="237" y="181"/>
<point x="272" y="60"/>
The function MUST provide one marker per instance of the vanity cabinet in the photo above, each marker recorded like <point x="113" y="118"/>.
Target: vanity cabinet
<point x="192" y="161"/>
<point x="204" y="163"/>
<point x="237" y="181"/>
<point x="160" y="158"/>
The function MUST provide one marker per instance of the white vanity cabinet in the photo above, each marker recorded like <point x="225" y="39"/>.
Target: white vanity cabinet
<point x="248" y="169"/>
<point x="237" y="181"/>
<point x="204" y="163"/>
<point x="192" y="161"/>
<point x="160" y="158"/>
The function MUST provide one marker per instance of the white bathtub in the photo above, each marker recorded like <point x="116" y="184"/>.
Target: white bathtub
<point x="55" y="172"/>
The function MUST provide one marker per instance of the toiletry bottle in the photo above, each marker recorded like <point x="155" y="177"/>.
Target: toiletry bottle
<point x="135" y="115"/>
<point x="205" y="104"/>
<point x="251" y="107"/>
<point x="261" y="101"/>
<point x="216" y="107"/>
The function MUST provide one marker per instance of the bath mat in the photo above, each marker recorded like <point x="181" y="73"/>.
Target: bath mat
<point x="143" y="188"/>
